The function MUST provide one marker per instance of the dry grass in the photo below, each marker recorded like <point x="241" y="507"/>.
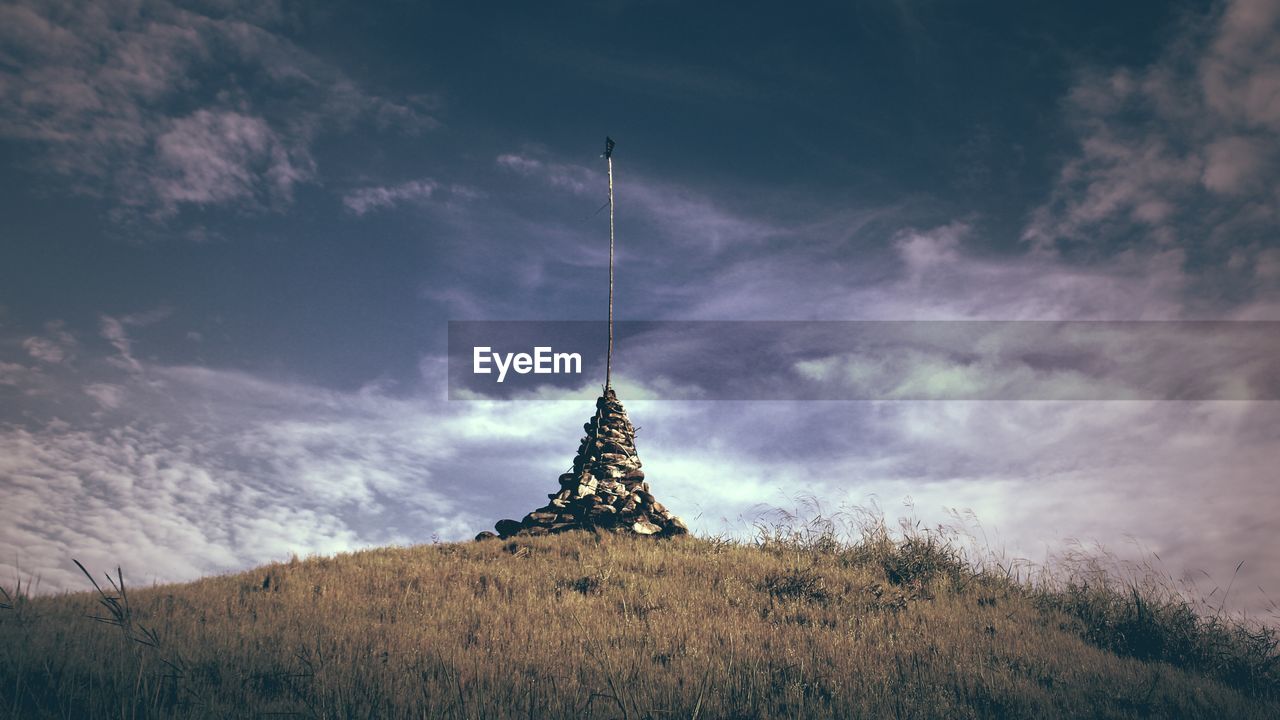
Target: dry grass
<point x="800" y="624"/>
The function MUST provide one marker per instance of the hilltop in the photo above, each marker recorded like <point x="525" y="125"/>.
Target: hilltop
<point x="583" y="625"/>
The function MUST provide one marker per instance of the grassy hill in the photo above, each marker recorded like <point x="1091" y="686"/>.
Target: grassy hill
<point x="794" y="625"/>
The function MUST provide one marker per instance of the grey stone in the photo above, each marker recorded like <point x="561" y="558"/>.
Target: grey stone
<point x="507" y="528"/>
<point x="606" y="488"/>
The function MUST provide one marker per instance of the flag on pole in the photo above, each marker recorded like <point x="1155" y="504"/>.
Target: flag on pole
<point x="608" y="147"/>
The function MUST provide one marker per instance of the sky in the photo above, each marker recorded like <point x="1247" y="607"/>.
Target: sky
<point x="232" y="235"/>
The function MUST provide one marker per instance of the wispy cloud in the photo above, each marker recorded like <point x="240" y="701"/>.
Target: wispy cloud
<point x="575" y="178"/>
<point x="368" y="199"/>
<point x="55" y="346"/>
<point x="941" y="273"/>
<point x="107" y="395"/>
<point x="679" y="213"/>
<point x="113" y="331"/>
<point x="215" y="157"/>
<point x="44" y="350"/>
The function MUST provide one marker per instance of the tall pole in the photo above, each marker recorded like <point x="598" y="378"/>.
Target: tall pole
<point x="608" y="364"/>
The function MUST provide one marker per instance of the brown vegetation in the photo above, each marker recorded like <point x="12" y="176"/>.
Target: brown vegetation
<point x="795" y="625"/>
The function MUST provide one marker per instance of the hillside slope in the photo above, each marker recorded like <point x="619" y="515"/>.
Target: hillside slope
<point x="586" y="626"/>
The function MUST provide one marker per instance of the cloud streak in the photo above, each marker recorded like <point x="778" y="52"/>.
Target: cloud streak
<point x="369" y="199"/>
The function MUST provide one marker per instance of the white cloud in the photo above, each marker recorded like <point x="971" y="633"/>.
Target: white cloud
<point x="54" y="347"/>
<point x="520" y="163"/>
<point x="107" y="395"/>
<point x="368" y="199"/>
<point x="213" y="157"/>
<point x="145" y="500"/>
<point x="575" y="178"/>
<point x="43" y="349"/>
<point x="256" y="471"/>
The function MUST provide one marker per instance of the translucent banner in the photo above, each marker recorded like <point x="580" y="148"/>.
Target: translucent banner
<point x="869" y="360"/>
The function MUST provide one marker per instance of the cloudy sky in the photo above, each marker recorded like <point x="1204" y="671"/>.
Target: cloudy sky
<point x="233" y="235"/>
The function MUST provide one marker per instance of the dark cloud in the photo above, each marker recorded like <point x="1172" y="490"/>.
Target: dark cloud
<point x="156" y="107"/>
<point x="1181" y="153"/>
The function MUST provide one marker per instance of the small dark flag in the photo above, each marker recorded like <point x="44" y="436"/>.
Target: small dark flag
<point x="608" y="147"/>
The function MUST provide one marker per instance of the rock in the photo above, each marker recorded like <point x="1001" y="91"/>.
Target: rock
<point x="485" y="535"/>
<point x="507" y="528"/>
<point x="606" y="489"/>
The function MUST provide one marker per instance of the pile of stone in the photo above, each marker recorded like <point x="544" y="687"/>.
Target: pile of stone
<point x="606" y="489"/>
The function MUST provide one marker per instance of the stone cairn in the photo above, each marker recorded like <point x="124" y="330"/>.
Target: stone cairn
<point x="606" y="489"/>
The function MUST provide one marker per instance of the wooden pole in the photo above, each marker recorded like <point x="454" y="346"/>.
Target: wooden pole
<point x="608" y="364"/>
